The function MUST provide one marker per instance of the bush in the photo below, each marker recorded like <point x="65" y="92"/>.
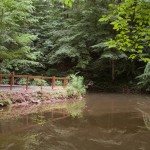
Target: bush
<point x="39" y="82"/>
<point x="5" y="99"/>
<point x="5" y="102"/>
<point x="76" y="86"/>
<point x="58" y="83"/>
<point x="5" y="81"/>
<point x="76" y="108"/>
<point x="144" y="79"/>
<point x="22" y="81"/>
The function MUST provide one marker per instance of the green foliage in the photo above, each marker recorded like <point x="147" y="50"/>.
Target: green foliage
<point x="22" y="66"/>
<point x="5" y="102"/>
<point x="64" y="34"/>
<point x="113" y="55"/>
<point x="76" y="108"/>
<point x="145" y="78"/>
<point x="48" y="37"/>
<point x="69" y="2"/>
<point x="76" y="86"/>
<point x="57" y="72"/>
<point x="16" y="52"/>
<point x="39" y="82"/>
<point x="5" y="81"/>
<point x="22" y="81"/>
<point x="58" y="83"/>
<point x="4" y="99"/>
<point x="15" y="18"/>
<point x="130" y="20"/>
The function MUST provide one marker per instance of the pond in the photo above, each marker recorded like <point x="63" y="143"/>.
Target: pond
<point x="101" y="122"/>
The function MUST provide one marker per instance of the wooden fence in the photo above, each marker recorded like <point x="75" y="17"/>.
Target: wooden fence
<point x="12" y="77"/>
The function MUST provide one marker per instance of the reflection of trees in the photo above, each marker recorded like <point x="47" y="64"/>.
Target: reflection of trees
<point x="19" y="111"/>
<point x="36" y="124"/>
<point x="22" y="118"/>
<point x="76" y="108"/>
<point x="145" y="110"/>
<point x="146" y="117"/>
<point x="31" y="120"/>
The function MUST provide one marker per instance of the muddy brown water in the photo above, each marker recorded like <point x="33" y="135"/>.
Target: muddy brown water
<point x="104" y="122"/>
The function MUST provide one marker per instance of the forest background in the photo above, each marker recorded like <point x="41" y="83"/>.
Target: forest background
<point x="106" y="41"/>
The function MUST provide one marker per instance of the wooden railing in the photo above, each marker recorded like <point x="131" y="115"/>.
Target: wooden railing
<point x="12" y="77"/>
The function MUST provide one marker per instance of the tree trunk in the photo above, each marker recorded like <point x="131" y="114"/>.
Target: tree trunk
<point x="113" y="69"/>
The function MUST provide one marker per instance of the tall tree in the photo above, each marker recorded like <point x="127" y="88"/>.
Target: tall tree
<point x="15" y="38"/>
<point x="131" y="21"/>
<point x="65" y="35"/>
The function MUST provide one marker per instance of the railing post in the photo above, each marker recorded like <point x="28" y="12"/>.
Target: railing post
<point x="27" y="82"/>
<point x="69" y="81"/>
<point x="53" y="82"/>
<point x="65" y="82"/>
<point x="12" y="80"/>
<point x="41" y="83"/>
<point x="0" y="79"/>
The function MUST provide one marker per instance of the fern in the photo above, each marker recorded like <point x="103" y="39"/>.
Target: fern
<point x="76" y="87"/>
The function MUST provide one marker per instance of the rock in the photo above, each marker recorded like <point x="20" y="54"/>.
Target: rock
<point x="1" y="104"/>
<point x="35" y="101"/>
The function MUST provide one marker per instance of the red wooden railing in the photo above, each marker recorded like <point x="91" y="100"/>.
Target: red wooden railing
<point x="12" y="77"/>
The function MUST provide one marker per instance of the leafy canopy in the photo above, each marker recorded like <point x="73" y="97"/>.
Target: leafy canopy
<point x="15" y="40"/>
<point x="131" y="21"/>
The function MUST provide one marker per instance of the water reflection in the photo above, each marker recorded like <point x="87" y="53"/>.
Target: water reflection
<point x="76" y="108"/>
<point x="109" y="122"/>
<point x="22" y="117"/>
<point x="144" y="108"/>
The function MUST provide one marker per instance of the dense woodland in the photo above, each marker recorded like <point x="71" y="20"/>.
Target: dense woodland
<point x="106" y="41"/>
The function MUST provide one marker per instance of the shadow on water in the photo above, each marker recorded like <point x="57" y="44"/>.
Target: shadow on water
<point x="101" y="122"/>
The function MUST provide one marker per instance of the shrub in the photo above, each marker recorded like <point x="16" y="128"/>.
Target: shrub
<point x="39" y="82"/>
<point x="5" y="102"/>
<point x="76" y="108"/>
<point x="5" y="99"/>
<point x="5" y="81"/>
<point x="58" y="83"/>
<point x="76" y="86"/>
<point x="144" y="79"/>
<point x="22" y="81"/>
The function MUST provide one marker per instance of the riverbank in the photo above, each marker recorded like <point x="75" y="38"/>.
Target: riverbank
<point x="39" y="94"/>
<point x="33" y="96"/>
